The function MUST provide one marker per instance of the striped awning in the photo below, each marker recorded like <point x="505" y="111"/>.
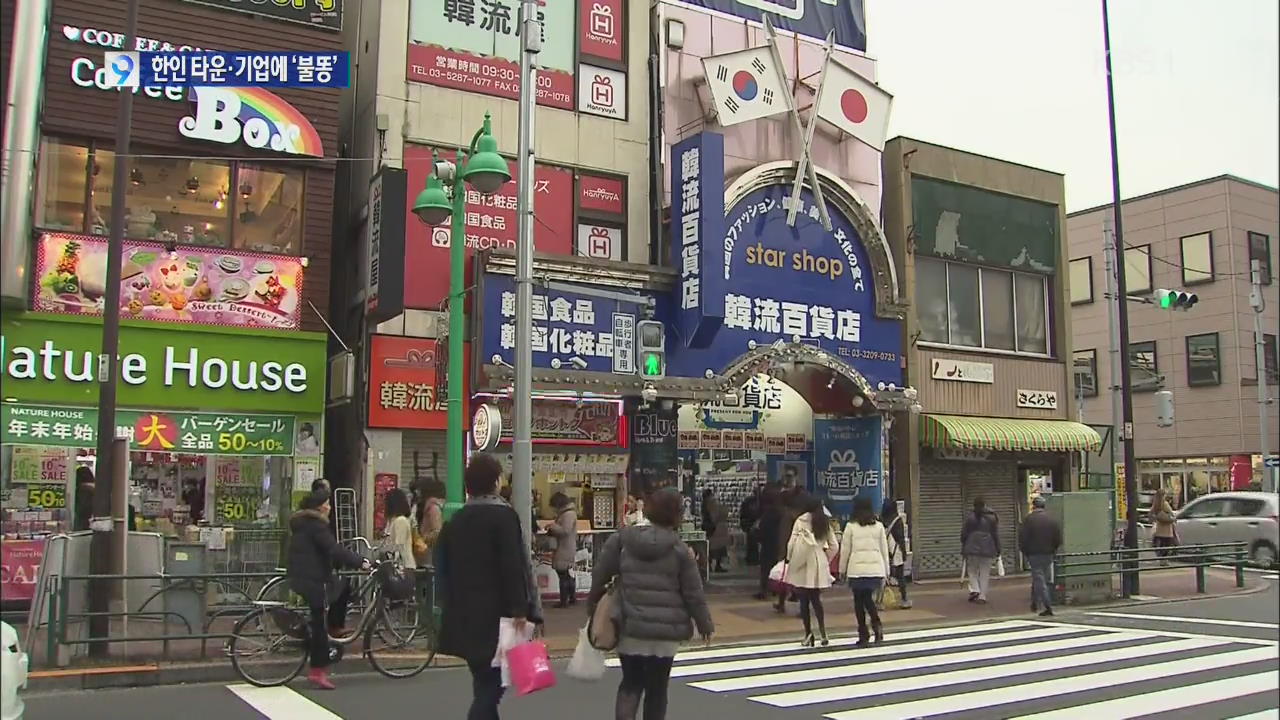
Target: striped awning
<point x="983" y="433"/>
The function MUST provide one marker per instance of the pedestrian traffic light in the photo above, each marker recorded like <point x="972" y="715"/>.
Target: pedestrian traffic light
<point x="1176" y="299"/>
<point x="1164" y="409"/>
<point x="652" y="349"/>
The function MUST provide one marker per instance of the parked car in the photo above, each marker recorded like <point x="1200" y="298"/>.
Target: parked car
<point x="13" y="673"/>
<point x="1248" y="517"/>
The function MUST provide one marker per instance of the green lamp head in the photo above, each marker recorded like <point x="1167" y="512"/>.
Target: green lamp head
<point x="486" y="170"/>
<point x="432" y="205"/>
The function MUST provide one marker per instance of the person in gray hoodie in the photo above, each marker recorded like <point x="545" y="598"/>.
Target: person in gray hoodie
<point x="565" y="531"/>
<point x="660" y="601"/>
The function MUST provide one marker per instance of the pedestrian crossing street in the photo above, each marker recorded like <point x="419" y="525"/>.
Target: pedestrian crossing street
<point x="1011" y="669"/>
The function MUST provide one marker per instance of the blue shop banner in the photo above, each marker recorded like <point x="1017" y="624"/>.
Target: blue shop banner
<point x="571" y="330"/>
<point x="813" y="18"/>
<point x="847" y="462"/>
<point x="697" y="228"/>
<point x="802" y="282"/>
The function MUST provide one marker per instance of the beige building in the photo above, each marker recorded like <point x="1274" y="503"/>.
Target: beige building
<point x="1198" y="237"/>
<point x="983" y="262"/>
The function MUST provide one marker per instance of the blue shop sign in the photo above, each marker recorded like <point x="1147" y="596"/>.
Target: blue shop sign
<point x="786" y="282"/>
<point x="697" y="227"/>
<point x="847" y="462"/>
<point x="804" y="17"/>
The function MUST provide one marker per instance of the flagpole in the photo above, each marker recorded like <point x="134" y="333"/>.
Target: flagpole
<point x="805" y="160"/>
<point x="795" y="122"/>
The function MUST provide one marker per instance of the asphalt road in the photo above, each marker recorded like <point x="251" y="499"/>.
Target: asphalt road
<point x="1203" y="659"/>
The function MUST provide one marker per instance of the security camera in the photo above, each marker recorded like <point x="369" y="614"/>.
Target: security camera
<point x="445" y="170"/>
<point x="578" y="363"/>
<point x="649" y="393"/>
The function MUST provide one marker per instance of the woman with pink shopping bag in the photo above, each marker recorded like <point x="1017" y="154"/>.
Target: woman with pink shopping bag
<point x="659" y="600"/>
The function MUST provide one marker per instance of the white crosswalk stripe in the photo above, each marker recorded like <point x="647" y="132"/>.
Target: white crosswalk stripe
<point x="1030" y="669"/>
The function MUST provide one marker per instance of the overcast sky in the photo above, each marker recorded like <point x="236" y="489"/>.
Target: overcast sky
<point x="1196" y="86"/>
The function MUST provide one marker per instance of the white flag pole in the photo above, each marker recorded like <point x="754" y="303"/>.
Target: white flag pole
<point x="799" y="128"/>
<point x="805" y="157"/>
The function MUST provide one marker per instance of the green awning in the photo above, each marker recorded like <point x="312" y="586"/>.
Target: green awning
<point x="982" y="433"/>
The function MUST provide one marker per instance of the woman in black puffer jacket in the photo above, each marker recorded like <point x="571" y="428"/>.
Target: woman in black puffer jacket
<point x="660" y="599"/>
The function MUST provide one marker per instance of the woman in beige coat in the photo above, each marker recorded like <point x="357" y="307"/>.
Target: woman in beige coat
<point x="809" y="553"/>
<point x="1164" y="535"/>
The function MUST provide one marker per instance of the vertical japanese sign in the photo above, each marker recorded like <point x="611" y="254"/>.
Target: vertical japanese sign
<point x="384" y="235"/>
<point x="697" y="235"/>
<point x="602" y="29"/>
<point x="848" y="462"/>
<point x="474" y="45"/>
<point x="403" y="392"/>
<point x="624" y="343"/>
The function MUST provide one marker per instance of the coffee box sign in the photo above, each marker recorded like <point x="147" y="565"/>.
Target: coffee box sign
<point x="252" y="116"/>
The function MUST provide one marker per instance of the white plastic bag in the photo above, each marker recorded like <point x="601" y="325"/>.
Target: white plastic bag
<point x="588" y="662"/>
<point x="1000" y="566"/>
<point x="964" y="570"/>
<point x="509" y="637"/>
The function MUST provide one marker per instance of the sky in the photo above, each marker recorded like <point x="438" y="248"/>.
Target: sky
<point x="1024" y="81"/>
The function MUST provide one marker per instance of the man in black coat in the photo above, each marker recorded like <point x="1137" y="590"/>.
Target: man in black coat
<point x="486" y="576"/>
<point x="748" y="514"/>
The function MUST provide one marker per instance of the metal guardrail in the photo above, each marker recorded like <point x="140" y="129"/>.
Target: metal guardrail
<point x="1131" y="563"/>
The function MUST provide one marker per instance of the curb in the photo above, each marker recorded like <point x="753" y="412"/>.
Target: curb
<point x="153" y="675"/>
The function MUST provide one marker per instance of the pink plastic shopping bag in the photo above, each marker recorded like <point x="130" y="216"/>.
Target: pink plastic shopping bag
<point x="530" y="668"/>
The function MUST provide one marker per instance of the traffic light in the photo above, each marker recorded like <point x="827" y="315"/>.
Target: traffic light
<point x="1164" y="408"/>
<point x="652" y="349"/>
<point x="1175" y="299"/>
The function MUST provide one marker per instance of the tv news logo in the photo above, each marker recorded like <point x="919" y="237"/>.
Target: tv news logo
<point x="122" y="69"/>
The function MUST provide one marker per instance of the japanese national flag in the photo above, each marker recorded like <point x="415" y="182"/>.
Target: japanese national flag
<point x="854" y="104"/>
<point x="746" y="85"/>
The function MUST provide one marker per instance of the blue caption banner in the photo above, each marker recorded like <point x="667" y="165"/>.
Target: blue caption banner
<point x="288" y="69"/>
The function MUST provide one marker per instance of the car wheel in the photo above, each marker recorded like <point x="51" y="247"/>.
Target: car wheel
<point x="1263" y="555"/>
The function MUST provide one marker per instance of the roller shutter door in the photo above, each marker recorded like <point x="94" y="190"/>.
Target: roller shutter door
<point x="424" y="443"/>
<point x="939" y="513"/>
<point x="996" y="483"/>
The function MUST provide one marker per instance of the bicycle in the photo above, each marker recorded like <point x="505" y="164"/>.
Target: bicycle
<point x="268" y="646"/>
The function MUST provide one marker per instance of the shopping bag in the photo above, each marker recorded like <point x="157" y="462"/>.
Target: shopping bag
<point x="964" y="570"/>
<point x="778" y="579"/>
<point x="588" y="662"/>
<point x="530" y="668"/>
<point x="1000" y="566"/>
<point x="508" y="639"/>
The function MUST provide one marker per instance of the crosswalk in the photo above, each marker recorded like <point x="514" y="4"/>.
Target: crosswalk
<point x="1010" y="669"/>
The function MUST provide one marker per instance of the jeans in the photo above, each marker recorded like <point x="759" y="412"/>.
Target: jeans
<point x="864" y="604"/>
<point x="1041" y="567"/>
<point x="568" y="586"/>
<point x="486" y="691"/>
<point x="647" y="676"/>
<point x="322" y="620"/>
<point x="900" y="574"/>
<point x="979" y="571"/>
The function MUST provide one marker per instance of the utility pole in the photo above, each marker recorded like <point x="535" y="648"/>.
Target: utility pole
<point x="522" y="400"/>
<point x="1259" y="304"/>
<point x="1131" y="586"/>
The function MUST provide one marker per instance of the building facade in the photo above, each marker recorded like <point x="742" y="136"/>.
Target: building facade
<point x="1199" y="237"/>
<point x="226" y="260"/>
<point x="987" y="342"/>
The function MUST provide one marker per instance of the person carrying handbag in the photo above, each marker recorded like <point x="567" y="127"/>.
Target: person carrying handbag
<point x="896" y="535"/>
<point x="809" y="553"/>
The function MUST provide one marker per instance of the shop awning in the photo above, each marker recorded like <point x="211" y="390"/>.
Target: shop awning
<point x="982" y="433"/>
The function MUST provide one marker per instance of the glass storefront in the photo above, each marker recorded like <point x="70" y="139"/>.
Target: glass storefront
<point x="1186" y="479"/>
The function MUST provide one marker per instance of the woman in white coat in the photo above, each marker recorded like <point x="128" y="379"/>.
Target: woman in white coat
<point x="864" y="561"/>
<point x="809" y="553"/>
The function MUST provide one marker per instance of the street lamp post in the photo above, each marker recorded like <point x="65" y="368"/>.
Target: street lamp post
<point x="486" y="172"/>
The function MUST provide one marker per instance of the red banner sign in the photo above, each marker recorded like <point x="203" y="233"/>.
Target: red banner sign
<point x="490" y="223"/>
<point x="602" y="194"/>
<point x="601" y="28"/>
<point x="565" y="422"/>
<point x="20" y="568"/>
<point x="402" y="383"/>
<point x="492" y="76"/>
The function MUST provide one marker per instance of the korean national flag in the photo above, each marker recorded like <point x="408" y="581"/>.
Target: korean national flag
<point x="746" y="85"/>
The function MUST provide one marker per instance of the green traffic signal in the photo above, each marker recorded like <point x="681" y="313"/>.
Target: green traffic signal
<point x="651" y="364"/>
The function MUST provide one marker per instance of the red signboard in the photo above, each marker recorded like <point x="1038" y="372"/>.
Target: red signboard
<point x="490" y="223"/>
<point x="601" y="27"/>
<point x="602" y="194"/>
<point x="566" y="422"/>
<point x="20" y="568"/>
<point x="492" y="76"/>
<point x="402" y="383"/>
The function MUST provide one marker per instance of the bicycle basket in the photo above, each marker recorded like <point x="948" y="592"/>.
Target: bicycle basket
<point x="396" y="582"/>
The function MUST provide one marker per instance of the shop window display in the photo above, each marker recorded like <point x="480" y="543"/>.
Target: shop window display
<point x="169" y="200"/>
<point x="60" y="194"/>
<point x="268" y="210"/>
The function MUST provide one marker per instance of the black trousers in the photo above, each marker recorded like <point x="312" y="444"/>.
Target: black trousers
<point x="643" y="676"/>
<point x="323" y="619"/>
<point x="486" y="691"/>
<point x="811" y="598"/>
<point x="768" y="558"/>
<point x="864" y="603"/>
<point x="568" y="586"/>
<point x="753" y="547"/>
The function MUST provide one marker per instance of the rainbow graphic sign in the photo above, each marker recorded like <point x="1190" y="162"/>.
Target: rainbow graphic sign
<point x="257" y="117"/>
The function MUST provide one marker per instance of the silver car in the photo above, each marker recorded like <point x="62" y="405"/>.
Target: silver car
<point x="1248" y="517"/>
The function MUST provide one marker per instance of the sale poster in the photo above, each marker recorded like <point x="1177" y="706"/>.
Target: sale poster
<point x="20" y="568"/>
<point x="237" y="489"/>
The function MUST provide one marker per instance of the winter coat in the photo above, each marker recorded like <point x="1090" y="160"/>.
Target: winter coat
<point x="1164" y="519"/>
<point x="769" y="530"/>
<point x="715" y="521"/>
<point x="808" y="558"/>
<point x="896" y="535"/>
<point x="313" y="552"/>
<point x="1040" y="534"/>
<point x="981" y="535"/>
<point x="659" y="587"/>
<point x="399" y="537"/>
<point x="864" y="552"/>
<point x="565" y="531"/>
<point x="749" y="513"/>
<point x="483" y="567"/>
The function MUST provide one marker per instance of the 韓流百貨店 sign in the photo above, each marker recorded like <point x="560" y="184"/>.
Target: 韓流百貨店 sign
<point x="175" y="431"/>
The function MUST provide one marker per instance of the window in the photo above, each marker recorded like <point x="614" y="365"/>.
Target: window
<point x="213" y="203"/>
<point x="1260" y="250"/>
<point x="1197" y="259"/>
<point x="1204" y="362"/>
<point x="1209" y="508"/>
<point x="1081" y="280"/>
<point x="1270" y="357"/>
<point x="1085" y="364"/>
<point x="1244" y="507"/>
<point x="1144" y="375"/>
<point x="968" y="306"/>
<point x="1137" y="270"/>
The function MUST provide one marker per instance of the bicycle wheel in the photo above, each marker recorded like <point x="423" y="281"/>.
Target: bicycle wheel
<point x="400" y="642"/>
<point x="268" y="647"/>
<point x="276" y="590"/>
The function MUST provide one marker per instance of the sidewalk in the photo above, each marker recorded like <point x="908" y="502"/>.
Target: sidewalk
<point x="738" y="617"/>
